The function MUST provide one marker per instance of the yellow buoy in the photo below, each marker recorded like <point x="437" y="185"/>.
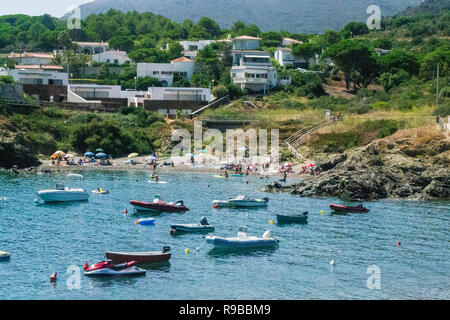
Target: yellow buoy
<point x="186" y="250"/>
<point x="271" y="221"/>
<point x="321" y="212"/>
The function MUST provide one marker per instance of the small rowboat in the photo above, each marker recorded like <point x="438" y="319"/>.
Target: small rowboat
<point x="298" y="218"/>
<point x="342" y="208"/>
<point x="192" y="227"/>
<point x="243" y="241"/>
<point x="237" y="175"/>
<point x="203" y="226"/>
<point x="4" y="256"/>
<point x="140" y="257"/>
<point x="159" y="205"/>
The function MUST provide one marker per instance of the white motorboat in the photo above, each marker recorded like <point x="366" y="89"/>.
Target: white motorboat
<point x="243" y="240"/>
<point x="241" y="201"/>
<point x="64" y="194"/>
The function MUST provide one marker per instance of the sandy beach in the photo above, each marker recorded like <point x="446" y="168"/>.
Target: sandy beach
<point x="123" y="164"/>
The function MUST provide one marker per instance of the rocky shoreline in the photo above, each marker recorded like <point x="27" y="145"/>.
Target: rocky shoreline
<point x="411" y="164"/>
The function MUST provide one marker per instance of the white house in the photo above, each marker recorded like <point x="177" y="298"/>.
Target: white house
<point x="179" y="94"/>
<point x="246" y="43"/>
<point x="94" y="91"/>
<point x="39" y="74"/>
<point x="254" y="78"/>
<point x="32" y="58"/>
<point x="91" y="47"/>
<point x="191" y="48"/>
<point x="112" y="56"/>
<point x="284" y="56"/>
<point x="164" y="71"/>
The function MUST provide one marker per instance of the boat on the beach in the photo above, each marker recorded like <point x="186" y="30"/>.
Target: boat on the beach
<point x="219" y="176"/>
<point x="243" y="240"/>
<point x="159" y="205"/>
<point x="297" y="218"/>
<point x="341" y="208"/>
<point x="203" y="226"/>
<point x="241" y="202"/>
<point x="109" y="269"/>
<point x="145" y="257"/>
<point x="237" y="175"/>
<point x="64" y="194"/>
<point x="4" y="256"/>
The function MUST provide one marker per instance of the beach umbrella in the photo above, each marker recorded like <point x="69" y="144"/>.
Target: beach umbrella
<point x="132" y="155"/>
<point x="57" y="154"/>
<point x="99" y="150"/>
<point x="287" y="164"/>
<point x="242" y="149"/>
<point x="89" y="154"/>
<point x="311" y="165"/>
<point x="101" y="155"/>
<point x="69" y="155"/>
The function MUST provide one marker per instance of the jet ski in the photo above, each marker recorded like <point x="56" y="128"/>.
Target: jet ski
<point x="108" y="269"/>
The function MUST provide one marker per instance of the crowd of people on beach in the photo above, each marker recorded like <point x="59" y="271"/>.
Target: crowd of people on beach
<point x="60" y="161"/>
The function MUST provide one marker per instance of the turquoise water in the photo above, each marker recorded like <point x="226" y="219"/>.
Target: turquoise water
<point x="47" y="238"/>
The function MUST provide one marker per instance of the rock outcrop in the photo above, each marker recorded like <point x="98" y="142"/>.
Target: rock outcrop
<point x="411" y="164"/>
<point x="14" y="152"/>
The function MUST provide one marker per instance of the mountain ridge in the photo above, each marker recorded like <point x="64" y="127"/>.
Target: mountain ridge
<point x="299" y="16"/>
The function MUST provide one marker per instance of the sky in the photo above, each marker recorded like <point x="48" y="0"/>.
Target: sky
<point x="55" y="8"/>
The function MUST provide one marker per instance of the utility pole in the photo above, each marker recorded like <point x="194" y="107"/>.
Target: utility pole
<point x="437" y="86"/>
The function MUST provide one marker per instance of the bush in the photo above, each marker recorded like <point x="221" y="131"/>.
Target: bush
<point x="220" y="91"/>
<point x="443" y="110"/>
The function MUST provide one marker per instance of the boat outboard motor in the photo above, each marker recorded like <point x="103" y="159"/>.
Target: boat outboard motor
<point x="204" y="222"/>
<point x="180" y="202"/>
<point x="268" y="234"/>
<point x="166" y="249"/>
<point x="266" y="199"/>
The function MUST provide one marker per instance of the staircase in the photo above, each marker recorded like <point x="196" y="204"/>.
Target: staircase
<point x="297" y="138"/>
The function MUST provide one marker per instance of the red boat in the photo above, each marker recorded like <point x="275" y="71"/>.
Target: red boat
<point x="341" y="208"/>
<point x="140" y="257"/>
<point x="109" y="269"/>
<point x="159" y="205"/>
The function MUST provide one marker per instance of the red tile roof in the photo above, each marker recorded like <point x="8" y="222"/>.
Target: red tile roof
<point x="182" y="59"/>
<point x="14" y="55"/>
<point x="39" y="67"/>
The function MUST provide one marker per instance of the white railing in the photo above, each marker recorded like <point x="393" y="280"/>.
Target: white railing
<point x="250" y="80"/>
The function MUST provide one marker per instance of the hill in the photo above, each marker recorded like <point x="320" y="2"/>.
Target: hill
<point x="300" y="16"/>
<point x="429" y="6"/>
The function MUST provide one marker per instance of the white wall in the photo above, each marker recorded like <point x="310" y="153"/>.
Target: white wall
<point x="183" y="94"/>
<point x="164" y="71"/>
<point x="94" y="91"/>
<point x="38" y="76"/>
<point x="111" y="57"/>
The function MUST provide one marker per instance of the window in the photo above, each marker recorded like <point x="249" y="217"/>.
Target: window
<point x="155" y="72"/>
<point x="56" y="82"/>
<point x="116" y="61"/>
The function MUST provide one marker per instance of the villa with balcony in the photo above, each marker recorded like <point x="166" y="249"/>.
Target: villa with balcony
<point x="252" y="68"/>
<point x="164" y="71"/>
